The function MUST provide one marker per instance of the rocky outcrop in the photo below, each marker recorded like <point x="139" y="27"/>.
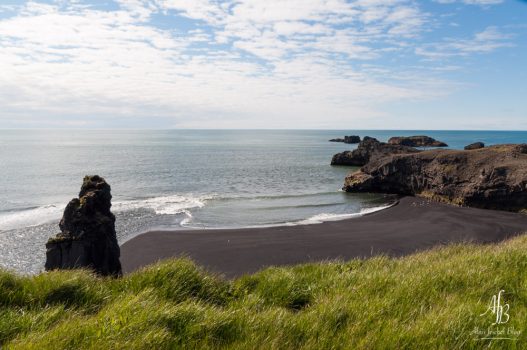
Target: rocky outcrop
<point x="494" y="177"/>
<point x="416" y="141"/>
<point x="475" y="145"/>
<point x="368" y="149"/>
<point x="87" y="238"/>
<point x="347" y="139"/>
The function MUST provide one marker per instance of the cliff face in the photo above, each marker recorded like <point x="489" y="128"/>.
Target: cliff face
<point x="369" y="148"/>
<point x="87" y="237"/>
<point x="494" y="177"/>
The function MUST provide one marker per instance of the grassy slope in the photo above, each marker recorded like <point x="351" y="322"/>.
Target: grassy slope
<point x="427" y="300"/>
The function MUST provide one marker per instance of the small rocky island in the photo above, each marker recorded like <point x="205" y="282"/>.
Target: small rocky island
<point x="494" y="177"/>
<point x="416" y="141"/>
<point x="475" y="145"/>
<point x="368" y="149"/>
<point x="347" y="139"/>
<point x="87" y="238"/>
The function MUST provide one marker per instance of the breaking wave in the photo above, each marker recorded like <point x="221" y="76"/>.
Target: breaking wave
<point x="320" y="218"/>
<point x="166" y="205"/>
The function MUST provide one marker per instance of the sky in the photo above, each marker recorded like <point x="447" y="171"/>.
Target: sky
<point x="285" y="64"/>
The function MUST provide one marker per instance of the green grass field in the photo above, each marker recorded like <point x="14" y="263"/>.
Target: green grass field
<point x="430" y="300"/>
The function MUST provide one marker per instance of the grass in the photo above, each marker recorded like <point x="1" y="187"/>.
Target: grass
<point x="428" y="300"/>
<point x="460" y="201"/>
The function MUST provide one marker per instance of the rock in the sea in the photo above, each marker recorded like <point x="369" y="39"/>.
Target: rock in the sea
<point x="494" y="177"/>
<point x="416" y="141"/>
<point x="347" y="139"/>
<point x="87" y="238"/>
<point x="475" y="145"/>
<point x="367" y="149"/>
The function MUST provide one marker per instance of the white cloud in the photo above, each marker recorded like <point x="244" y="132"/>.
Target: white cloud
<point x="486" y="41"/>
<point x="245" y="63"/>
<point x="206" y="10"/>
<point x="472" y="2"/>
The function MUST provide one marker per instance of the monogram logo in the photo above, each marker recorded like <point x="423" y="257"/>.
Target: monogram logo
<point x="497" y="309"/>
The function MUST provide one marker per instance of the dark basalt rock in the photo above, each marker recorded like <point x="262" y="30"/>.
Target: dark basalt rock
<point x="494" y="177"/>
<point x="367" y="149"/>
<point x="521" y="148"/>
<point x="87" y="238"/>
<point x="416" y="141"/>
<point x="475" y="145"/>
<point x="347" y="139"/>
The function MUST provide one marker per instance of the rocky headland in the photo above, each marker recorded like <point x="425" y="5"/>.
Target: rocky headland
<point x="368" y="149"/>
<point x="494" y="177"/>
<point x="416" y="141"/>
<point x="87" y="238"/>
<point x="347" y="139"/>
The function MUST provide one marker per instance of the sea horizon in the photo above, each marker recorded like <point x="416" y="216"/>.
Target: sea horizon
<point x="249" y="129"/>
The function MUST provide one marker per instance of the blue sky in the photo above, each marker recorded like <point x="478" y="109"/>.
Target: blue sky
<point x="332" y="64"/>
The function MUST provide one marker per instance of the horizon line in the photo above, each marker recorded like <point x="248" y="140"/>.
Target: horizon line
<point x="251" y="129"/>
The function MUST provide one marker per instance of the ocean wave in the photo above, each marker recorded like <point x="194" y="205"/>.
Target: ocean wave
<point x="274" y="197"/>
<point x="30" y="217"/>
<point x="323" y="217"/>
<point x="186" y="221"/>
<point x="300" y="206"/>
<point x="315" y="219"/>
<point x="165" y="205"/>
<point x="320" y="218"/>
<point x="365" y="211"/>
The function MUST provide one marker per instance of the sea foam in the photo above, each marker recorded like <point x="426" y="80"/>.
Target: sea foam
<point x="323" y="217"/>
<point x="30" y="217"/>
<point x="165" y="205"/>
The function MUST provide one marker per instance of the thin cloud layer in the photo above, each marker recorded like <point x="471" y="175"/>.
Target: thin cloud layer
<point x="472" y="2"/>
<point x="206" y="63"/>
<point x="486" y="41"/>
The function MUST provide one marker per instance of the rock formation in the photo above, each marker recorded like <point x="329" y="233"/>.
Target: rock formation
<point x="367" y="149"/>
<point x="87" y="238"/>
<point x="494" y="177"/>
<point x="416" y="141"/>
<point x="347" y="139"/>
<point x="475" y="145"/>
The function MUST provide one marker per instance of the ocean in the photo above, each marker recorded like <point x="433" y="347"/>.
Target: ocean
<point x="183" y="179"/>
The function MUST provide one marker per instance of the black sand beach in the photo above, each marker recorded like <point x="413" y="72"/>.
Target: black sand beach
<point x="412" y="225"/>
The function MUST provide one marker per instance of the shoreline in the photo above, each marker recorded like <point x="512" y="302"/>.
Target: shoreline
<point x="411" y="224"/>
<point x="308" y="221"/>
<point x="303" y="222"/>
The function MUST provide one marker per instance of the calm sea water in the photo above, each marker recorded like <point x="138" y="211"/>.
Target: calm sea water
<point x="182" y="179"/>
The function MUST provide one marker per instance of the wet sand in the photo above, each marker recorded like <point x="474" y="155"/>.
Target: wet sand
<point x="412" y="225"/>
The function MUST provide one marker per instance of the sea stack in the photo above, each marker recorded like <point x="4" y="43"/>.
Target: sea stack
<point x="87" y="238"/>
